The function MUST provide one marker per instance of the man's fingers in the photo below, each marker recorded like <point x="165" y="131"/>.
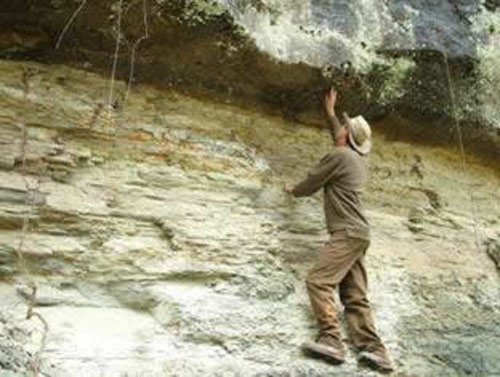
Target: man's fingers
<point x="330" y="95"/>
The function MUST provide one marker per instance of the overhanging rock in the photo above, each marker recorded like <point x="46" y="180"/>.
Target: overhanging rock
<point x="390" y="62"/>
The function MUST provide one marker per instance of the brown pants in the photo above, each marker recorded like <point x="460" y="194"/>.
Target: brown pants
<point x="340" y="262"/>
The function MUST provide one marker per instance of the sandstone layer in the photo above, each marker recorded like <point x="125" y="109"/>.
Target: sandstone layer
<point x="161" y="244"/>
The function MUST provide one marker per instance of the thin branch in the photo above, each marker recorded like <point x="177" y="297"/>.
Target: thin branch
<point x="115" y="58"/>
<point x="31" y="200"/>
<point x="68" y="24"/>
<point x="136" y="46"/>
<point x="462" y="152"/>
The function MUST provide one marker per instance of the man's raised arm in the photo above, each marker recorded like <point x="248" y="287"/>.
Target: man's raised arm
<point x="333" y="122"/>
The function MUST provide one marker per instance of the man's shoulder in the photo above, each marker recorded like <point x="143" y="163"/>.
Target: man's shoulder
<point x="337" y="153"/>
<point x="343" y="157"/>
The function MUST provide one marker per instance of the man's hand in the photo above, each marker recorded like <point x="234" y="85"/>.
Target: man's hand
<point x="330" y="100"/>
<point x="286" y="189"/>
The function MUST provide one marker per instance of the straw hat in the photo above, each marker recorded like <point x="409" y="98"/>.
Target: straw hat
<point x="360" y="134"/>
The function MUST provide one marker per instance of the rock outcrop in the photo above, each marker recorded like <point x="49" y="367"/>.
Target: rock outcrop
<point x="417" y="65"/>
<point x="143" y="147"/>
<point x="160" y="242"/>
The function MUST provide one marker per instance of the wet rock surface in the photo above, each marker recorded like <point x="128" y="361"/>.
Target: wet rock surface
<point x="160" y="241"/>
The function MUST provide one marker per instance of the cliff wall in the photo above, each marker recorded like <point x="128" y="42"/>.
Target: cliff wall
<point x="160" y="241"/>
<point x="143" y="148"/>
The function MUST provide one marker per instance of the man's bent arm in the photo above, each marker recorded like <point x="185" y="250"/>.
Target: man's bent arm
<point x="327" y="169"/>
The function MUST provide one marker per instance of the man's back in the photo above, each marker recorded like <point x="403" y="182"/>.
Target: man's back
<point x="342" y="174"/>
<point x="342" y="204"/>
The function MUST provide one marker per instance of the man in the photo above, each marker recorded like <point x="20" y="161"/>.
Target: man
<point x="342" y="174"/>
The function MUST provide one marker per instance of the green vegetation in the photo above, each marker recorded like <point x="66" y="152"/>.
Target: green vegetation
<point x="396" y="74"/>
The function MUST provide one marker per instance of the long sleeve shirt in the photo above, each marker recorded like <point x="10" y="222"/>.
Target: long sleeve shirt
<point x="341" y="174"/>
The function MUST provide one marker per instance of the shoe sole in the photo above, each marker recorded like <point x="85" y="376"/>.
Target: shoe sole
<point x="374" y="365"/>
<point x="322" y="352"/>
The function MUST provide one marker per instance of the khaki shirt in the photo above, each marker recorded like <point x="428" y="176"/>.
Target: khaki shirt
<point x="341" y="174"/>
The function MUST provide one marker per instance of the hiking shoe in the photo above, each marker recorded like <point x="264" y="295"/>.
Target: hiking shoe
<point x="377" y="359"/>
<point x="328" y="348"/>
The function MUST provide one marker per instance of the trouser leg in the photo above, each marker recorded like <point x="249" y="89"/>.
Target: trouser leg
<point x="334" y="262"/>
<point x="357" y="309"/>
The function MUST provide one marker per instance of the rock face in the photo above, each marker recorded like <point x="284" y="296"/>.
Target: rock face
<point x="160" y="242"/>
<point x="416" y="65"/>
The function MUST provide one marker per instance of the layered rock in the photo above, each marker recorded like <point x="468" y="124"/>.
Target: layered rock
<point x="418" y="65"/>
<point x="160" y="241"/>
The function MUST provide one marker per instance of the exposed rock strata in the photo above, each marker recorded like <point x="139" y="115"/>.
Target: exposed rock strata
<point x="390" y="60"/>
<point x="161" y="242"/>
